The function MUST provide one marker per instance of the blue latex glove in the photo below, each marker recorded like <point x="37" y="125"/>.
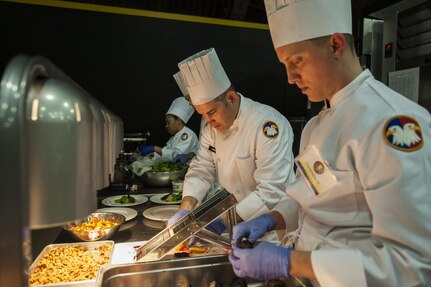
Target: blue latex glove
<point x="146" y="149"/>
<point x="180" y="213"/>
<point x="253" y="229"/>
<point x="265" y="261"/>
<point x="183" y="158"/>
<point x="217" y="226"/>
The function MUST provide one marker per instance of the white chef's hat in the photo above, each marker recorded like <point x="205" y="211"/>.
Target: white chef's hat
<point x="293" y="21"/>
<point x="181" y="108"/>
<point x="180" y="82"/>
<point x="204" y="76"/>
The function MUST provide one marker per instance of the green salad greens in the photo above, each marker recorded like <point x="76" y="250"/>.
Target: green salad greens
<point x="125" y="199"/>
<point x="168" y="166"/>
<point x="172" y="197"/>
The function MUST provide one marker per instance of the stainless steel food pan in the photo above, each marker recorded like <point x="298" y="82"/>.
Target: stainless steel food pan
<point x="162" y="178"/>
<point x="195" y="271"/>
<point x="83" y="283"/>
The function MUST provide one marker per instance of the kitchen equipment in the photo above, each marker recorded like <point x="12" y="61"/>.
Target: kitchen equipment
<point x="92" y="247"/>
<point x="192" y="224"/>
<point x="177" y="185"/>
<point x="95" y="234"/>
<point x="162" y="178"/>
<point x="129" y="213"/>
<point x="195" y="271"/>
<point x="57" y="148"/>
<point x="160" y="213"/>
<point x="113" y="200"/>
<point x="161" y="198"/>
<point x="132" y="141"/>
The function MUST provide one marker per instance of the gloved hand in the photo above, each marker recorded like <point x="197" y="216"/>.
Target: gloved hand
<point x="146" y="149"/>
<point x="217" y="226"/>
<point x="183" y="158"/>
<point x="180" y="213"/>
<point x="265" y="261"/>
<point x="253" y="229"/>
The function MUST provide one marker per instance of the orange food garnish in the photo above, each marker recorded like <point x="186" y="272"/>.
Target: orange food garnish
<point x="94" y="224"/>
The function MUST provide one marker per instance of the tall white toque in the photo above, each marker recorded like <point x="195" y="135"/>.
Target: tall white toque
<point x="204" y="76"/>
<point x="180" y="82"/>
<point x="292" y="21"/>
<point x="181" y="108"/>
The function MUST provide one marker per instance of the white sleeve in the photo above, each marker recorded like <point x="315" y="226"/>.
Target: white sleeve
<point x="201" y="173"/>
<point x="184" y="143"/>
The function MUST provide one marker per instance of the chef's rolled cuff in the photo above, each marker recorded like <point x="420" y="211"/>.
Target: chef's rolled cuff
<point x="289" y="208"/>
<point x="168" y="153"/>
<point x="251" y="207"/>
<point x="194" y="187"/>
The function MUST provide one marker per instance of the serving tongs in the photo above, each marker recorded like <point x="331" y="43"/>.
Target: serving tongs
<point x="192" y="224"/>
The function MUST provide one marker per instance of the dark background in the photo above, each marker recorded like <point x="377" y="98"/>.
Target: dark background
<point x="127" y="62"/>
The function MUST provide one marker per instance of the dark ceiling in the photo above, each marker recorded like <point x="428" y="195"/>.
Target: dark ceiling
<point x="242" y="10"/>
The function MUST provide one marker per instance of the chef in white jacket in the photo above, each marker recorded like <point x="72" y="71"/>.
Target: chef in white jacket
<point x="363" y="185"/>
<point x="246" y="146"/>
<point x="183" y="140"/>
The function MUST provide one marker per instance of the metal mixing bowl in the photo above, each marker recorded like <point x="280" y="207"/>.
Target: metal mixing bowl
<point x="162" y="178"/>
<point x="96" y="234"/>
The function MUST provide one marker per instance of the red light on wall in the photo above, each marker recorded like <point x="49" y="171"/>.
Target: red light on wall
<point x="388" y="50"/>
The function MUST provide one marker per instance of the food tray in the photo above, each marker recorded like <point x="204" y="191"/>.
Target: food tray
<point x="196" y="272"/>
<point x="82" y="283"/>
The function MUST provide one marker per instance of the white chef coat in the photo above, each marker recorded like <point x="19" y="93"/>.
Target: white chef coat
<point x="373" y="227"/>
<point x="253" y="163"/>
<point x="183" y="142"/>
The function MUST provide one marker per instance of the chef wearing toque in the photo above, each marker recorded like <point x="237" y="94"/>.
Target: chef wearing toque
<point x="363" y="185"/>
<point x="183" y="139"/>
<point x="246" y="146"/>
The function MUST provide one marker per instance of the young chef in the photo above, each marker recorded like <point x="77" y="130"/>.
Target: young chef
<point x="364" y="190"/>
<point x="245" y="145"/>
<point x="183" y="139"/>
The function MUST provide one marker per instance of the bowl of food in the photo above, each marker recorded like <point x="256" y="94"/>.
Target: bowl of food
<point x="163" y="173"/>
<point x="96" y="226"/>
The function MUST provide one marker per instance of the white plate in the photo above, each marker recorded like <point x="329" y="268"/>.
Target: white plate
<point x="110" y="201"/>
<point x="161" y="213"/>
<point x="158" y="199"/>
<point x="129" y="213"/>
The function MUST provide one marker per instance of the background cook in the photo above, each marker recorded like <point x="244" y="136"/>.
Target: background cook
<point x="186" y="157"/>
<point x="183" y="139"/>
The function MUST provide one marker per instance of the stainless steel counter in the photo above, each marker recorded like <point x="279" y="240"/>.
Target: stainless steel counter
<point x="195" y="271"/>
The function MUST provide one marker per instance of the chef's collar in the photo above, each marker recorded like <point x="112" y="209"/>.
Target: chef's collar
<point x="235" y="124"/>
<point x="349" y="89"/>
<point x="181" y="131"/>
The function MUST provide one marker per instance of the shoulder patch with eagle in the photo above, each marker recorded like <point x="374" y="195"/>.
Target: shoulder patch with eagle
<point x="403" y="133"/>
<point x="270" y="130"/>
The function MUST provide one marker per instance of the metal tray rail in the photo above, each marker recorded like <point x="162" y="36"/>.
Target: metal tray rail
<point x="157" y="247"/>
